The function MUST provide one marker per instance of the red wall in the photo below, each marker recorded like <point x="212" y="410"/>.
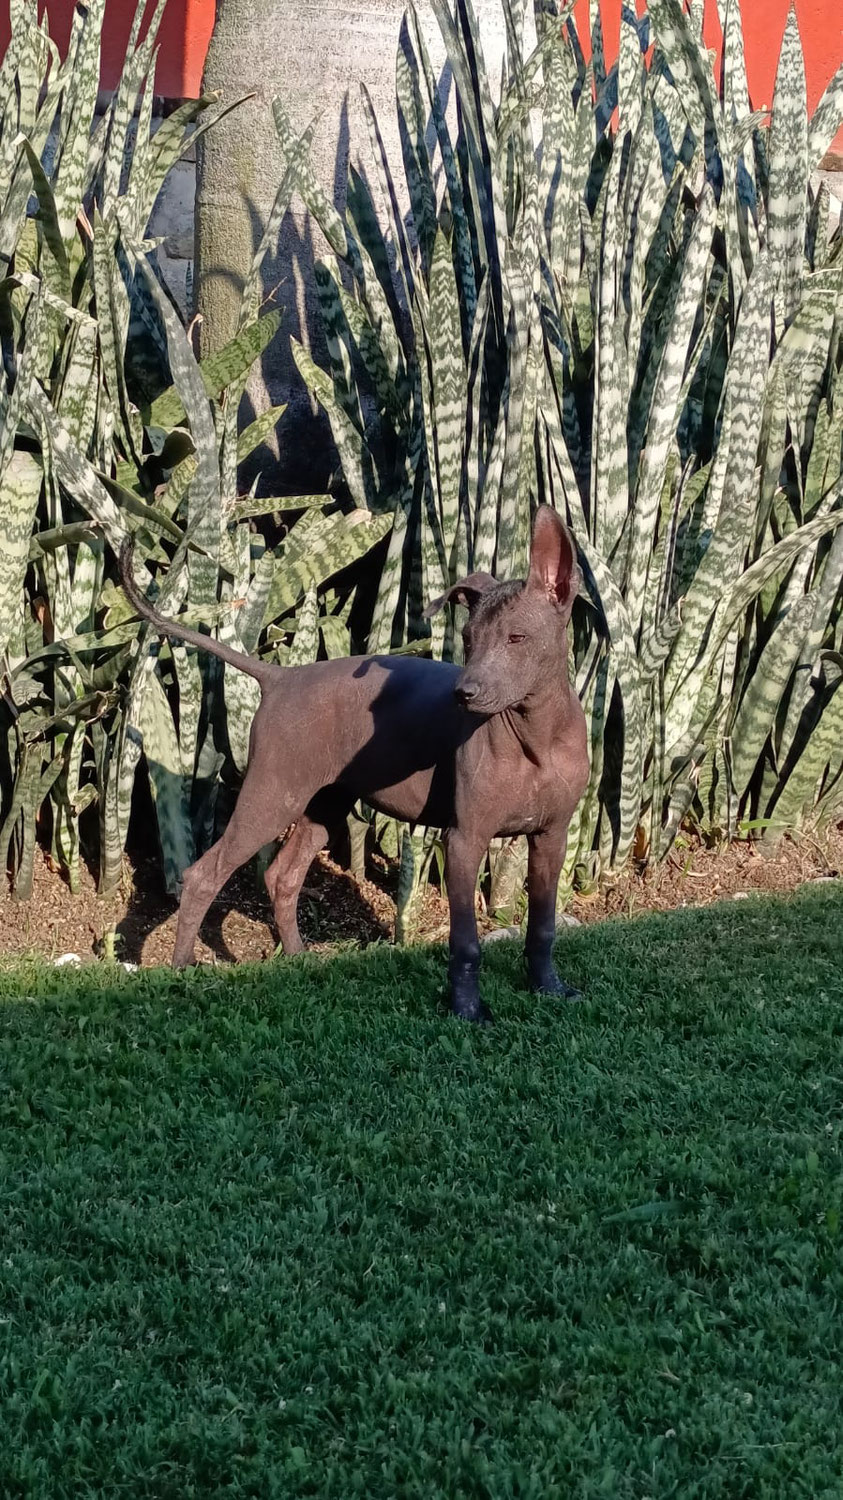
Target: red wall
<point x="182" y="40"/>
<point x="820" y="27"/>
<point x="188" y="24"/>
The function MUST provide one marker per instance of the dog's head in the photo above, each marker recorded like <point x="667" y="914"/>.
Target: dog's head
<point x="515" y="638"/>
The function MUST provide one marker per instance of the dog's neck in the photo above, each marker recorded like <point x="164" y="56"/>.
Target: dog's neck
<point x="539" y="720"/>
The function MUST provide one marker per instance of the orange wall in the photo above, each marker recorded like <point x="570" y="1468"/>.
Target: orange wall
<point x="188" y="24"/>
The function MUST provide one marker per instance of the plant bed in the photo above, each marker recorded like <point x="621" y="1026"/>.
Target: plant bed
<point x="337" y="911"/>
<point x="290" y="1230"/>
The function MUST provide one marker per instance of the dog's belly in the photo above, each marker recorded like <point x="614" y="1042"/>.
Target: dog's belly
<point x="425" y="797"/>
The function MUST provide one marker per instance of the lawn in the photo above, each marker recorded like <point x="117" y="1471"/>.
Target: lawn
<point x="291" y="1230"/>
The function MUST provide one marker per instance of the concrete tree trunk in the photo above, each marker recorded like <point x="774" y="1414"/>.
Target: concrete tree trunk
<point x="315" y="57"/>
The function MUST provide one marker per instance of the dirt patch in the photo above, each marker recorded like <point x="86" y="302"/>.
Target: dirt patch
<point x="336" y="910"/>
<point x="694" y="875"/>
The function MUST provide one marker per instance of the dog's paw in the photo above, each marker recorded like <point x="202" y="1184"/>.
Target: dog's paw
<point x="549" y="983"/>
<point x="472" y="1010"/>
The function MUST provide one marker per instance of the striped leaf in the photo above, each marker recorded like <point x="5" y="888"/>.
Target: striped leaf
<point x="664" y="410"/>
<point x="826" y="120"/>
<point x="317" y="547"/>
<point x="760" y="704"/>
<point x="203" y="498"/>
<point x="166" y="774"/>
<point x="448" y="392"/>
<point x="412" y="124"/>
<point x="305" y="647"/>
<point x="219" y="370"/>
<point x="788" y="158"/>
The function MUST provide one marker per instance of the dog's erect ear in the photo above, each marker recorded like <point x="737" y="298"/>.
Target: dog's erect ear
<point x="553" y="559"/>
<point x="467" y="591"/>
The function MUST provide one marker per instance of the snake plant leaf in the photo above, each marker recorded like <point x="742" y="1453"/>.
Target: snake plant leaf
<point x="168" y="144"/>
<point x="21" y="478"/>
<point x="369" y="341"/>
<point x="305" y="645"/>
<point x="245" y="510"/>
<point x="823" y="598"/>
<point x="609" y="469"/>
<point x="797" y="797"/>
<point x="736" y="103"/>
<point x="73" y="469"/>
<point x="767" y="686"/>
<point x="478" y="125"/>
<point x="241" y="696"/>
<point x="462" y="235"/>
<point x="259" y="431"/>
<point x="296" y="154"/>
<point x="816" y="234"/>
<point x="788" y="159"/>
<point x="135" y="76"/>
<point x="318" y="547"/>
<point x="412" y="125"/>
<point x="113" y="325"/>
<point x="338" y="341"/>
<point x="130" y="503"/>
<point x="56" y="266"/>
<point x="203" y="499"/>
<point x="78" y="106"/>
<point x="168" y="782"/>
<point x="664" y="416"/>
<point x="631" y="74"/>
<point x="191" y="700"/>
<point x="448" y="392"/>
<point x="681" y="50"/>
<point x="826" y="120"/>
<point x="371" y="232"/>
<point x="389" y="197"/>
<point x="327" y="217"/>
<point x="219" y="370"/>
<point x="357" y="460"/>
<point x="386" y="631"/>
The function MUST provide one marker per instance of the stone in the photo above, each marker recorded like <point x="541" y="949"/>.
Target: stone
<point x="499" y="933"/>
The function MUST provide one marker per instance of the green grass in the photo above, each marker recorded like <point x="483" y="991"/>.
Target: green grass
<point x="292" y="1231"/>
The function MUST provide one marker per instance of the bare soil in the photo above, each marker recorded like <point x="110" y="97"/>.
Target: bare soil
<point x="336" y="910"/>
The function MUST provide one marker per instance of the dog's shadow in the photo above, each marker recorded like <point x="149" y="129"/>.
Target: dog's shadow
<point x="333" y="910"/>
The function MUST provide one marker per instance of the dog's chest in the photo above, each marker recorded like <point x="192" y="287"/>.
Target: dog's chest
<point x="517" y="794"/>
<point x="525" y="805"/>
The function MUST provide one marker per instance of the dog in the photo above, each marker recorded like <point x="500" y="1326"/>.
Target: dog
<point x="495" y="748"/>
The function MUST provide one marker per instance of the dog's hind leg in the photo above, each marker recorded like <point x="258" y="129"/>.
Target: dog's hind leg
<point x="285" y="876"/>
<point x="247" y="832"/>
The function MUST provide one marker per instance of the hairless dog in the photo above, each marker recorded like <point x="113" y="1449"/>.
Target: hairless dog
<point x="495" y="748"/>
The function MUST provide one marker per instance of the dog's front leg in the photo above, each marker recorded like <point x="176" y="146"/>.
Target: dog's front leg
<point x="464" y="853"/>
<point x="545" y="861"/>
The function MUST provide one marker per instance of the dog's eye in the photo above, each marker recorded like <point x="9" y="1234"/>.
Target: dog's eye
<point x="514" y="639"/>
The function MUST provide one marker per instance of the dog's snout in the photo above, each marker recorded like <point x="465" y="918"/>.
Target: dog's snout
<point x="466" y="691"/>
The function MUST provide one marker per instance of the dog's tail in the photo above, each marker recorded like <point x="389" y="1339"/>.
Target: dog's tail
<point x="259" y="669"/>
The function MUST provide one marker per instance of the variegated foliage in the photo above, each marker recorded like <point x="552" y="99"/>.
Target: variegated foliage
<point x="616" y="291"/>
<point x="108" y="424"/>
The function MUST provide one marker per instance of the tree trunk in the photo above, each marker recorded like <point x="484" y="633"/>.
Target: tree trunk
<point x="225" y="178"/>
<point x="314" y="57"/>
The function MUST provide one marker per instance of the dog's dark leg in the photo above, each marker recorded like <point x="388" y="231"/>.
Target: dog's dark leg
<point x="246" y="833"/>
<point x="462" y="865"/>
<point x="285" y="876"/>
<point x="546" y="857"/>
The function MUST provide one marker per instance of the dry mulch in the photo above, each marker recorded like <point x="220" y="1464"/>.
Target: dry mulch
<point x="337" y="910"/>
